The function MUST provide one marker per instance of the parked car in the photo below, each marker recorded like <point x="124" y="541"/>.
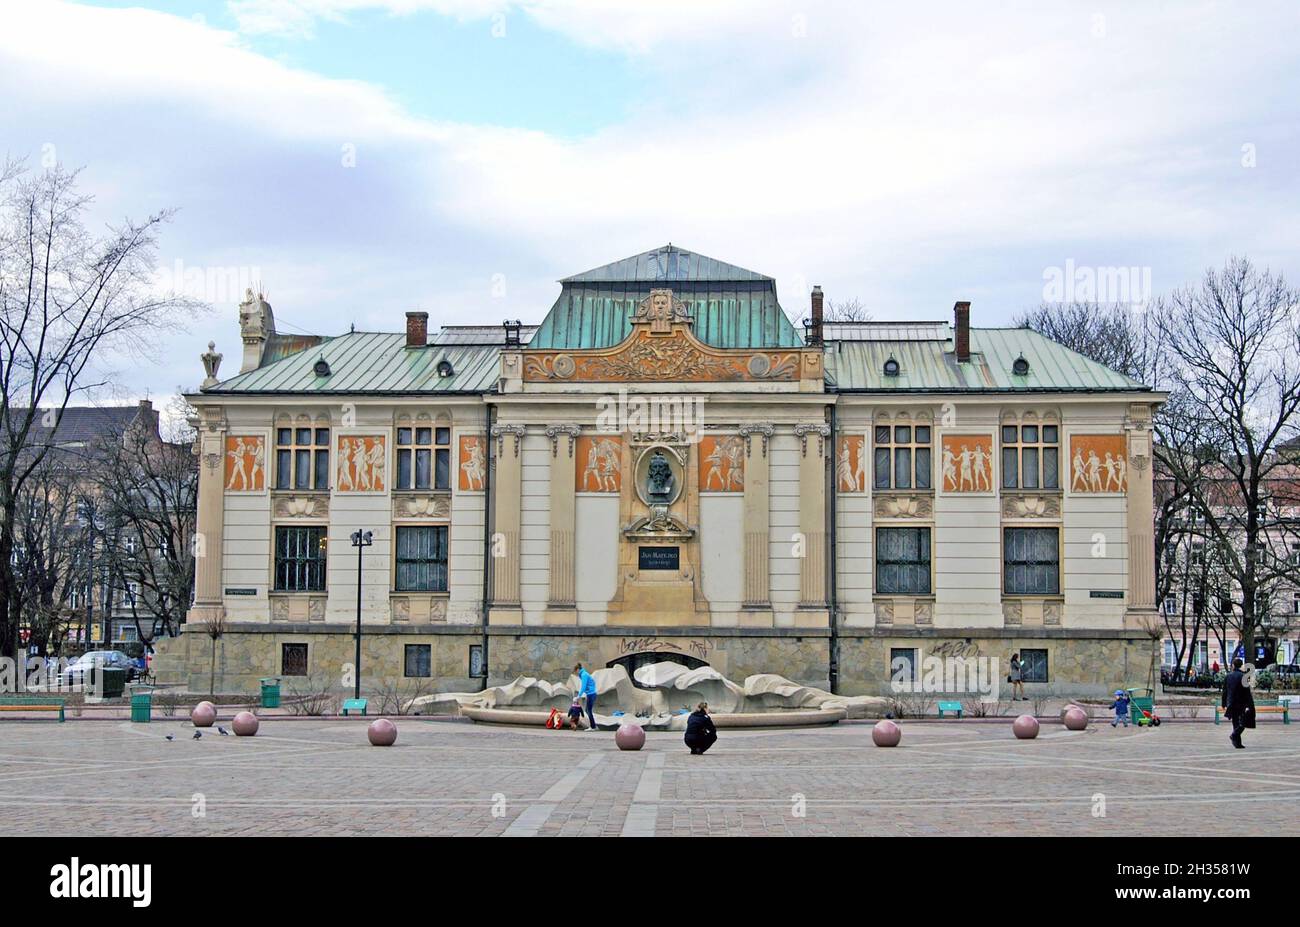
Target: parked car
<point x="115" y="659"/>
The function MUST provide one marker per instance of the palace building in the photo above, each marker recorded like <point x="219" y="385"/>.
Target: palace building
<point x="666" y="468"/>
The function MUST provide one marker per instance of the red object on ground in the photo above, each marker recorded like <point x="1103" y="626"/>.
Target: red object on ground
<point x="1076" y="719"/>
<point x="630" y="737"/>
<point x="886" y="734"/>
<point x="1025" y="727"/>
<point x="203" y="714"/>
<point x="245" y="724"/>
<point x="382" y="733"/>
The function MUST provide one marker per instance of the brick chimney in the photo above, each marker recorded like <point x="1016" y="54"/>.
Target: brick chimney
<point x="814" y="333"/>
<point x="417" y="329"/>
<point x="961" y="330"/>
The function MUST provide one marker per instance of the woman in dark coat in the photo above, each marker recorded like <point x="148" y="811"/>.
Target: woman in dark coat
<point x="700" y="733"/>
<point x="1238" y="703"/>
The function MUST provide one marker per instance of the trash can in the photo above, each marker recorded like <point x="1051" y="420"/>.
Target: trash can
<point x="112" y="682"/>
<point x="271" y="693"/>
<point x="142" y="704"/>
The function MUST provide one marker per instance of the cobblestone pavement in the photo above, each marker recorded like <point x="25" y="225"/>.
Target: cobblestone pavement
<point x="450" y="778"/>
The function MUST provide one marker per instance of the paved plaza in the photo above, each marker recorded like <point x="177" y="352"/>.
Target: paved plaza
<point x="318" y="777"/>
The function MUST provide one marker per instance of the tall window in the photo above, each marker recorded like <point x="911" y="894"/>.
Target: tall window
<point x="422" y="558"/>
<point x="1030" y="456"/>
<point x="1031" y="561"/>
<point x="902" y="457"/>
<point x="902" y="664"/>
<point x="299" y="559"/>
<point x="423" y="458"/>
<point x="302" y="458"/>
<point x="903" y="561"/>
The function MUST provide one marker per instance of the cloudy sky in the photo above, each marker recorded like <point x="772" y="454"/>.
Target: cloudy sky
<point x="361" y="158"/>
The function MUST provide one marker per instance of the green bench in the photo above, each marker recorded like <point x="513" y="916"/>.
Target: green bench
<point x="354" y="705"/>
<point x="954" y="707"/>
<point x="32" y="703"/>
<point x="1282" y="708"/>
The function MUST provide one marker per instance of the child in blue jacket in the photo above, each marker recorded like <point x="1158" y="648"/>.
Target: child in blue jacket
<point x="1120" y="707"/>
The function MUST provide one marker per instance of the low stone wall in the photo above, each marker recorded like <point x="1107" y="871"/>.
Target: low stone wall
<point x="1079" y="662"/>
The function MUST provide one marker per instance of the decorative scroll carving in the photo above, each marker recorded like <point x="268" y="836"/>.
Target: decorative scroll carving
<point x="674" y="356"/>
<point x="316" y="609"/>
<point x="500" y="431"/>
<point x="303" y="506"/>
<point x="1052" y="613"/>
<point x="554" y="431"/>
<point x="421" y="506"/>
<point x="401" y="609"/>
<point x="925" y="613"/>
<point x="821" y="429"/>
<point x="1012" y="614"/>
<point x="764" y="429"/>
<point x="660" y="310"/>
<point x="884" y="612"/>
<point x="279" y="609"/>
<point x="1028" y="506"/>
<point x="903" y="506"/>
<point x="438" y="610"/>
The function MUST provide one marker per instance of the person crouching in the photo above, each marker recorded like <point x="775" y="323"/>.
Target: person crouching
<point x="700" y="732"/>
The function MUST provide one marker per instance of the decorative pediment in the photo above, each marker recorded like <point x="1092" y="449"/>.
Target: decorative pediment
<point x="662" y="347"/>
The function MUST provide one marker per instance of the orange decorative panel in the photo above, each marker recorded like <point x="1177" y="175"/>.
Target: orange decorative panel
<point x="361" y="464"/>
<point x="245" y="463"/>
<point x="599" y="464"/>
<point x="967" y="463"/>
<point x="472" y="463"/>
<point x="851" y="464"/>
<point x="645" y="356"/>
<point x="722" y="463"/>
<point x="1098" y="463"/>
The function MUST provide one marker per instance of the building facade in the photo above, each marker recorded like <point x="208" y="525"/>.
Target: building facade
<point x="665" y="468"/>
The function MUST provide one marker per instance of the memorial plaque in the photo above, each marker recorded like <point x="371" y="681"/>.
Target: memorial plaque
<point x="1105" y="594"/>
<point x="659" y="558"/>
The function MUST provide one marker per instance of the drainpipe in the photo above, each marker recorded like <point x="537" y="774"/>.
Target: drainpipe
<point x="487" y="534"/>
<point x="832" y="558"/>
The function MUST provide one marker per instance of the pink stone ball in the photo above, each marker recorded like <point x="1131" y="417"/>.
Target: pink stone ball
<point x="886" y="734"/>
<point x="382" y="733"/>
<point x="203" y="714"/>
<point x="630" y="737"/>
<point x="1025" y="727"/>
<point x="1076" y="719"/>
<point x="245" y="724"/>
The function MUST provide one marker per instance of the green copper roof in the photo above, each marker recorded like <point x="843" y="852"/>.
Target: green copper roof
<point x="374" y="362"/>
<point x="927" y="364"/>
<point x="732" y="307"/>
<point x="665" y="266"/>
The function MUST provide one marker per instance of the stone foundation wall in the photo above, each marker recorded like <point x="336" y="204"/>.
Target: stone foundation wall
<point x="1078" y="662"/>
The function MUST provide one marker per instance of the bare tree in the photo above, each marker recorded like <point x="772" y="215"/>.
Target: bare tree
<point x="66" y="298"/>
<point x="215" y="628"/>
<point x="149" y="484"/>
<point x="1234" y="351"/>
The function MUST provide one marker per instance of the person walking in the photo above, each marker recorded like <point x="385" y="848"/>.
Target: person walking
<point x="587" y="689"/>
<point x="1016" y="678"/>
<point x="1238" y="702"/>
<point x="700" y="732"/>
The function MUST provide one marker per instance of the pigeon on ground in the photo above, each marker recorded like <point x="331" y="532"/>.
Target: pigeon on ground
<point x="222" y="731"/>
<point x="197" y="735"/>
<point x="171" y="736"/>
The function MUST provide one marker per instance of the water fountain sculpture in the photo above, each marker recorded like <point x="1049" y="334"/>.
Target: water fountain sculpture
<point x="659" y="699"/>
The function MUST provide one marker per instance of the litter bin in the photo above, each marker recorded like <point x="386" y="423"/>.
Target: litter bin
<point x="271" y="693"/>
<point x="142" y="704"/>
<point x="112" y="682"/>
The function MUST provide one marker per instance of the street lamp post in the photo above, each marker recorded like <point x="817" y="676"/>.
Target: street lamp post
<point x="360" y="540"/>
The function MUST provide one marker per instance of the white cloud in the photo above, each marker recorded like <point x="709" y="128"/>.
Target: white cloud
<point x="905" y="159"/>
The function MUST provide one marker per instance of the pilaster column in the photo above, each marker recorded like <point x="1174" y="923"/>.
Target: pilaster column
<point x="1141" y="537"/>
<point x="507" y="485"/>
<point x="757" y="521"/>
<point x="563" y="515"/>
<point x="210" y="444"/>
<point x="812" y="512"/>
